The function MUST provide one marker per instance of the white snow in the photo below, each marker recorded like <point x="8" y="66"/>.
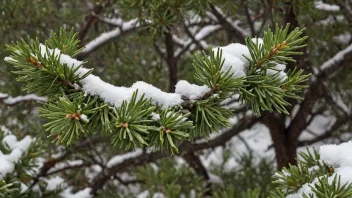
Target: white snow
<point x="259" y="40"/>
<point x="281" y="74"/>
<point x="61" y="165"/>
<point x="120" y="158"/>
<point x="339" y="56"/>
<point x="198" y="36"/>
<point x="326" y="7"/>
<point x="144" y="194"/>
<point x="256" y="139"/>
<point x="233" y="55"/>
<point x="319" y="125"/>
<point x="191" y="91"/>
<point x="24" y="187"/>
<point x="106" y="36"/>
<point x="2" y="95"/>
<point x="84" y="118"/>
<point x="7" y="161"/>
<point x="85" y="193"/>
<point x="337" y="156"/>
<point x="304" y="189"/>
<point x="278" y="70"/>
<point x="9" y="59"/>
<point x="205" y="31"/>
<point x="339" y="102"/>
<point x="159" y="97"/>
<point x="115" y="95"/>
<point x="13" y="100"/>
<point x="344" y="38"/>
<point x="237" y="50"/>
<point x="54" y="182"/>
<point x="331" y="20"/>
<point x="155" y="117"/>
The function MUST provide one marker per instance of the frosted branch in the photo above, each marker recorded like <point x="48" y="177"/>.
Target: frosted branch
<point x="107" y="36"/>
<point x="10" y="101"/>
<point x="332" y="63"/>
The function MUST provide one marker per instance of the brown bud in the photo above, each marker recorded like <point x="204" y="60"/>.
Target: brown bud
<point x="167" y="131"/>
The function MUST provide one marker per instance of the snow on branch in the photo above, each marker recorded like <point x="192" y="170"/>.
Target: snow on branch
<point x="326" y="7"/>
<point x="338" y="157"/>
<point x="219" y="16"/>
<point x="115" y="95"/>
<point x="10" y="101"/>
<point x="197" y="37"/>
<point x="122" y="157"/>
<point x="107" y="36"/>
<point x="17" y="147"/>
<point x="337" y="58"/>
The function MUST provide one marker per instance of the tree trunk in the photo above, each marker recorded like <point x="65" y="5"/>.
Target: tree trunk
<point x="171" y="61"/>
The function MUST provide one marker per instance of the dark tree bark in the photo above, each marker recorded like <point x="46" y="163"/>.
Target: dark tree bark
<point x="171" y="61"/>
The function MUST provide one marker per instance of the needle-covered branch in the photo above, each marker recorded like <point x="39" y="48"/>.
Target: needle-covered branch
<point x="80" y="103"/>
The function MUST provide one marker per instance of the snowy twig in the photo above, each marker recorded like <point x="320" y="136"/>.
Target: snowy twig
<point x="329" y="132"/>
<point x="346" y="8"/>
<point x="326" y="7"/>
<point x="69" y="167"/>
<point x="333" y="63"/>
<point x="90" y="21"/>
<point x="107" y="36"/>
<point x="248" y="16"/>
<point x="11" y="101"/>
<point x="202" y="34"/>
<point x="317" y="90"/>
<point x="50" y="163"/>
<point x="229" y="25"/>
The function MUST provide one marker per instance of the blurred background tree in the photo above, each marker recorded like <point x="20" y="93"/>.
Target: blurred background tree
<point x="159" y="51"/>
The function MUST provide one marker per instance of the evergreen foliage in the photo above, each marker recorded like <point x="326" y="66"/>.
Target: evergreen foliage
<point x="46" y="73"/>
<point x="139" y="141"/>
<point x="310" y="169"/>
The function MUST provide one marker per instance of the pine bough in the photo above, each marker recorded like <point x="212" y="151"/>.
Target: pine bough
<point x="80" y="103"/>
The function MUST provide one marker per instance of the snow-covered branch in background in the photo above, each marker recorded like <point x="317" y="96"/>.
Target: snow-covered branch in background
<point x="10" y="101"/>
<point x="326" y="7"/>
<point x="123" y="157"/>
<point x="332" y="62"/>
<point x="341" y="104"/>
<point x="107" y="36"/>
<point x="234" y="23"/>
<point x="199" y="37"/>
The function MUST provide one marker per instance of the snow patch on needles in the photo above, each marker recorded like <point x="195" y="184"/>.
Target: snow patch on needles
<point x="191" y="91"/>
<point x="278" y="70"/>
<point x="155" y="117"/>
<point x="7" y="161"/>
<point x="233" y="56"/>
<point x="337" y="156"/>
<point x="84" y="118"/>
